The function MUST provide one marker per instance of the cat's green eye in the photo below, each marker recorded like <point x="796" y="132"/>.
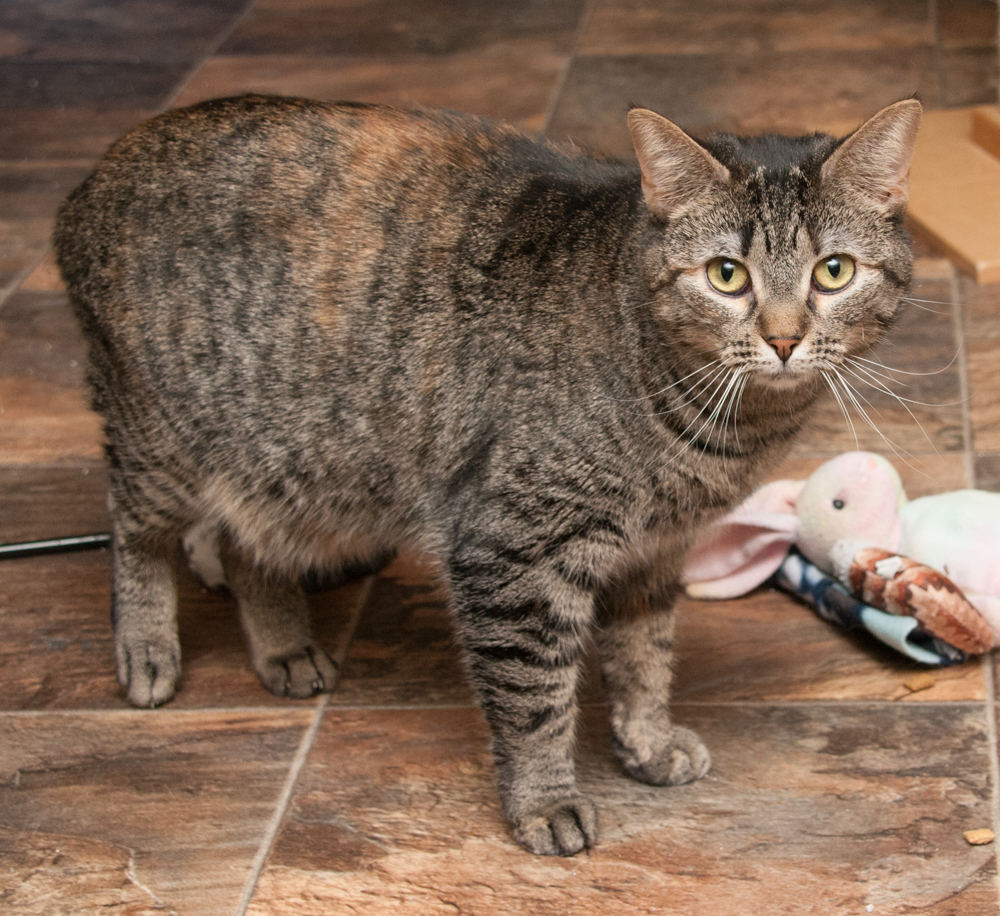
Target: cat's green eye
<point x="728" y="276"/>
<point x="834" y="273"/>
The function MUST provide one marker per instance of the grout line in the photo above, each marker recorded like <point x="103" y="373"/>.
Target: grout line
<point x="969" y="467"/>
<point x="994" y="762"/>
<point x="183" y="84"/>
<point x="550" y="109"/>
<point x="344" y="645"/>
<point x="821" y="701"/>
<point x="446" y="707"/>
<point x="160" y="711"/>
<point x="932" y="14"/>
<point x="305" y="746"/>
<point x="15" y="284"/>
<point x="284" y="800"/>
<point x="958" y="328"/>
<point x="7" y="292"/>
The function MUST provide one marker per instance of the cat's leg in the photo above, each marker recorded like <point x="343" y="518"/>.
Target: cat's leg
<point x="275" y="617"/>
<point x="143" y="604"/>
<point x="635" y="642"/>
<point x="523" y="634"/>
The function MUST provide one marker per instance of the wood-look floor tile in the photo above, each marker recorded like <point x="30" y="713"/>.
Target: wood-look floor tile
<point x="404" y="651"/>
<point x="40" y="339"/>
<point x="80" y="135"/>
<point x="757" y="26"/>
<point x="385" y="28"/>
<point x="788" y="91"/>
<point x="101" y="86"/>
<point x="509" y="86"/>
<point x="44" y="416"/>
<point x="967" y="23"/>
<point x="969" y="77"/>
<point x="45" y="277"/>
<point x="767" y="646"/>
<point x="45" y="423"/>
<point x="814" y="809"/>
<point x="105" y="30"/>
<point x="34" y="191"/>
<point x="987" y="470"/>
<point x="57" y="648"/>
<point x="981" y="306"/>
<point x="22" y="243"/>
<point x="762" y="647"/>
<point x="39" y="503"/>
<point x="137" y="812"/>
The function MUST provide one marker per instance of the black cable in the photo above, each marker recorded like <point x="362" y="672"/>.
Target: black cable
<point x="54" y="545"/>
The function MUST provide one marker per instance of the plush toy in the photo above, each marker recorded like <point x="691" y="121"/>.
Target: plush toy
<point x="852" y="519"/>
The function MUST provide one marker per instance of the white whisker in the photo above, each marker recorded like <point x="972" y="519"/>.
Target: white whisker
<point x="736" y="412"/>
<point x="843" y="408"/>
<point x="646" y="397"/>
<point x="855" y="398"/>
<point x="873" y="380"/>
<point x="916" y="304"/>
<point x="904" y="372"/>
<point x="733" y="397"/>
<point x="696" y="391"/>
<point x="728" y="381"/>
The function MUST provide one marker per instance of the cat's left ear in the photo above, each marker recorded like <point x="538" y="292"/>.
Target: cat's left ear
<point x="875" y="159"/>
<point x="676" y="171"/>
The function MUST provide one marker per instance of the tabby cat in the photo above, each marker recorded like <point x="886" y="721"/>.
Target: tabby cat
<point x="331" y="329"/>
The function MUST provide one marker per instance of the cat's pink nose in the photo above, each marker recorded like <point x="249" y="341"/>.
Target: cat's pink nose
<point x="783" y="346"/>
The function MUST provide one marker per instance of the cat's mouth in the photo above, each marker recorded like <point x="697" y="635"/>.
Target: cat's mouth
<point x="786" y="379"/>
<point x="782" y="364"/>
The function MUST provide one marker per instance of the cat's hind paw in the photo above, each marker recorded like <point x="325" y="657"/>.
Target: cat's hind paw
<point x="149" y="671"/>
<point x="560" y="828"/>
<point x="683" y="758"/>
<point x="301" y="674"/>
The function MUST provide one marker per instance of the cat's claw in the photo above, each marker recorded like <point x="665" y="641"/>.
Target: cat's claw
<point x="300" y="675"/>
<point x="149" y="672"/>
<point x="682" y="759"/>
<point x="561" y="828"/>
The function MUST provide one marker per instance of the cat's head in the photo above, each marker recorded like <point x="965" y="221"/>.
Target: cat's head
<point x="779" y="255"/>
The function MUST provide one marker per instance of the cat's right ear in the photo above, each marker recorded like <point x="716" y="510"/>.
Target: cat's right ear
<point x="676" y="171"/>
<point x="875" y="159"/>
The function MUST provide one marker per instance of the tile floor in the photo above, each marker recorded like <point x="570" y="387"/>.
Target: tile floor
<point x="834" y="790"/>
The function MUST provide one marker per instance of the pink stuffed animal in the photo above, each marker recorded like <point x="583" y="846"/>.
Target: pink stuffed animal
<point x="853" y="502"/>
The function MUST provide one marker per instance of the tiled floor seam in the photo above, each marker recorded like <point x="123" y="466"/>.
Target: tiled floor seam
<point x="223" y="37"/>
<point x="26" y="272"/>
<point x="557" y="89"/>
<point x="305" y="746"/>
<point x="332" y="706"/>
<point x="994" y="761"/>
<point x="274" y="825"/>
<point x="958" y="320"/>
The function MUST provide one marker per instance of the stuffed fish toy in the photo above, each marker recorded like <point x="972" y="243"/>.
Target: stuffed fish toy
<point x="935" y="559"/>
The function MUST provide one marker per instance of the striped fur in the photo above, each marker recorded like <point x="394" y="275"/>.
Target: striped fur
<point x="328" y="330"/>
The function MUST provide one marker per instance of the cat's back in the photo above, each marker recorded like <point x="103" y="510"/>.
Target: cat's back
<point x="239" y="171"/>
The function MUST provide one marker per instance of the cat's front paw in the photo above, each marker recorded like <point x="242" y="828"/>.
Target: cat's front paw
<point x="300" y="674"/>
<point x="681" y="758"/>
<point x="149" y="670"/>
<point x="559" y="828"/>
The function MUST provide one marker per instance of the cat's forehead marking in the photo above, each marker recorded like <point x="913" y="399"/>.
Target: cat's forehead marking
<point x="774" y="212"/>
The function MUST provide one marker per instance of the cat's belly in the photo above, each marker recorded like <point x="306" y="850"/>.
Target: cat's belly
<point x="291" y="538"/>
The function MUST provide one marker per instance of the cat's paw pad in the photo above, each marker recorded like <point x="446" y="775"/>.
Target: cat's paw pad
<point x="560" y="828"/>
<point x="683" y="758"/>
<point x="149" y="671"/>
<point x="300" y="674"/>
